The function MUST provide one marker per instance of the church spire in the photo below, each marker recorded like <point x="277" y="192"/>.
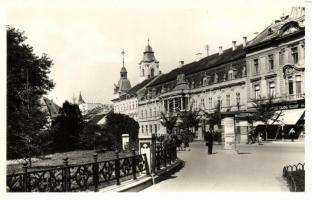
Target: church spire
<point x="80" y="100"/>
<point x="123" y="57"/>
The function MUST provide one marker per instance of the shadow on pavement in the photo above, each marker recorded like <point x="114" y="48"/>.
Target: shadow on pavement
<point x="243" y="153"/>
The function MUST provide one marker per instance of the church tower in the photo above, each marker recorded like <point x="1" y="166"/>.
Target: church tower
<point x="123" y="84"/>
<point x="149" y="66"/>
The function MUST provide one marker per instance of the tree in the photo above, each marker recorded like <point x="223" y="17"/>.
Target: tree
<point x="67" y="127"/>
<point x="264" y="111"/>
<point x="215" y="117"/>
<point x="168" y="122"/>
<point x="27" y="82"/>
<point x="118" y="124"/>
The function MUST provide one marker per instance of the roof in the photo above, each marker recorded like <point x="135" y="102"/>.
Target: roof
<point x="208" y="62"/>
<point x="124" y="85"/>
<point x="275" y="30"/>
<point x="96" y="118"/>
<point x="148" y="55"/>
<point x="136" y="88"/>
<point x="123" y="70"/>
<point x="52" y="107"/>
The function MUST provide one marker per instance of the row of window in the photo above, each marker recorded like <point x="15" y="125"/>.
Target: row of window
<point x="218" y="101"/>
<point x="149" y="129"/>
<point x="272" y="87"/>
<point x="271" y="60"/>
<point x="126" y="106"/>
<point x="152" y="113"/>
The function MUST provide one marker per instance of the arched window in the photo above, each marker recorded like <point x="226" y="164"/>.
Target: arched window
<point x="142" y="72"/>
<point x="152" y="72"/>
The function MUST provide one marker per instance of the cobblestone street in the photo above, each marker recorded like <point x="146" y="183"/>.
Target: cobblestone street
<point x="255" y="168"/>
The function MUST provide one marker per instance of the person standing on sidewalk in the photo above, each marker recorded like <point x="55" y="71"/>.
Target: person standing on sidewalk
<point x="292" y="134"/>
<point x="210" y="140"/>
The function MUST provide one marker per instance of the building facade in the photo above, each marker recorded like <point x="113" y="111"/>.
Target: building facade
<point x="275" y="65"/>
<point x="270" y="65"/>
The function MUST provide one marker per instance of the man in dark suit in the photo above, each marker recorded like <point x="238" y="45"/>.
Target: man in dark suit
<point x="210" y="140"/>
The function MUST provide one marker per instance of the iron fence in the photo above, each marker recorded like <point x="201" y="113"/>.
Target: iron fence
<point x="287" y="174"/>
<point x="83" y="177"/>
<point x="165" y="154"/>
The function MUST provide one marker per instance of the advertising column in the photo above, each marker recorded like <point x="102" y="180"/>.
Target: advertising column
<point x="229" y="133"/>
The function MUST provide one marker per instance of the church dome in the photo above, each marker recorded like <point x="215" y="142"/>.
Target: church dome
<point x="124" y="85"/>
<point x="148" y="55"/>
<point x="123" y="70"/>
<point x="148" y="49"/>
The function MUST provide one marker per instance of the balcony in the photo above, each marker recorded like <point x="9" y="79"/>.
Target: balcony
<point x="291" y="97"/>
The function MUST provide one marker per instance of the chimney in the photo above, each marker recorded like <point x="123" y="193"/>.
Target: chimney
<point x="181" y="63"/>
<point x="220" y="50"/>
<point x="244" y="41"/>
<point x="234" y="45"/>
<point x="207" y="49"/>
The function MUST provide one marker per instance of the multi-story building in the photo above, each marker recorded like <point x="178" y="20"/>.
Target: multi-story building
<point x="218" y="79"/>
<point x="275" y="65"/>
<point x="271" y="64"/>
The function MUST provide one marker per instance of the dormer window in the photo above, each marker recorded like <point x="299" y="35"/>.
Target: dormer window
<point x="230" y="75"/>
<point x="205" y="81"/>
<point x="270" y="31"/>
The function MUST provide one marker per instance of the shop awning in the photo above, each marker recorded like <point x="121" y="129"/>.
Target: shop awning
<point x="284" y="117"/>
<point x="291" y="117"/>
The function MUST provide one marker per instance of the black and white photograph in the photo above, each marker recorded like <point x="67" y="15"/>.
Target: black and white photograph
<point x="154" y="96"/>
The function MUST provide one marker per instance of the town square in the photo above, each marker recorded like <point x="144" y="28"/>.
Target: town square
<point x="135" y="96"/>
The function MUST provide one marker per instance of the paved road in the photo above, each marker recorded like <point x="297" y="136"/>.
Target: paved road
<point x="256" y="168"/>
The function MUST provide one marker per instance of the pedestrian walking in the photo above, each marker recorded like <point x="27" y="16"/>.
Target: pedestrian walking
<point x="210" y="140"/>
<point x="292" y="134"/>
<point x="260" y="138"/>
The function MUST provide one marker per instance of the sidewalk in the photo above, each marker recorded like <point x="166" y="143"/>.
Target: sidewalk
<point x="255" y="168"/>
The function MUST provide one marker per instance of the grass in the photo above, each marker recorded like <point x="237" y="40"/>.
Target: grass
<point x="299" y="178"/>
<point x="56" y="159"/>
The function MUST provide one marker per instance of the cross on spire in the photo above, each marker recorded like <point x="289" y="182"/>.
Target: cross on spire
<point x="123" y="57"/>
<point x="148" y="40"/>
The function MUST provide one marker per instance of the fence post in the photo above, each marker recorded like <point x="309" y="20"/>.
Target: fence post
<point x="153" y="154"/>
<point x="66" y="177"/>
<point x="95" y="173"/>
<point x="164" y="153"/>
<point x="146" y="165"/>
<point x="158" y="156"/>
<point x="25" y="177"/>
<point x="171" y="153"/>
<point x="134" y="164"/>
<point x="117" y="168"/>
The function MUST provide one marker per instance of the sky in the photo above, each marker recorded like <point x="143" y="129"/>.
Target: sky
<point x="85" y="38"/>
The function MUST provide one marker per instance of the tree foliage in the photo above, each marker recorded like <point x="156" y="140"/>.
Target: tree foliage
<point x="118" y="124"/>
<point x="264" y="111"/>
<point x="27" y="81"/>
<point x="67" y="127"/>
<point x="168" y="122"/>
